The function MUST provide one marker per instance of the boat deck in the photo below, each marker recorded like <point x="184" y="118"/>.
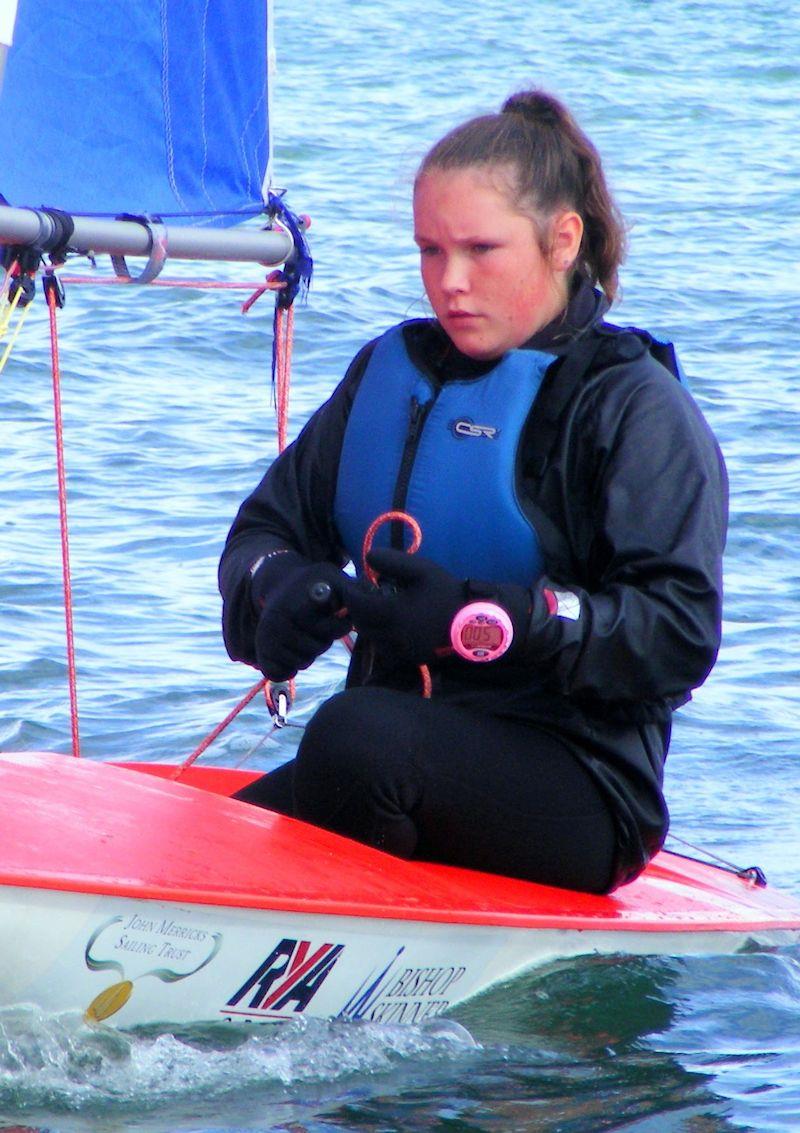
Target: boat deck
<point x="148" y="836"/>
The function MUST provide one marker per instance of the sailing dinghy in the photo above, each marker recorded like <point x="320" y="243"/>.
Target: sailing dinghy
<point x="142" y="893"/>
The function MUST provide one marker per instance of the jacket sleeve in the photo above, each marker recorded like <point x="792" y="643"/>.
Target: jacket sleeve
<point x="643" y="466"/>
<point x="291" y="509"/>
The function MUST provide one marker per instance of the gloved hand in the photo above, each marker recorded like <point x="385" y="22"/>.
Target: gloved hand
<point x="294" y="627"/>
<point x="410" y="619"/>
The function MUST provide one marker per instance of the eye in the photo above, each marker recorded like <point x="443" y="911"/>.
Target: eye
<point x="427" y="250"/>
<point x="481" y="249"/>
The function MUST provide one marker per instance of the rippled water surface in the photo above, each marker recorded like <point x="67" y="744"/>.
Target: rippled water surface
<point x="169" y="423"/>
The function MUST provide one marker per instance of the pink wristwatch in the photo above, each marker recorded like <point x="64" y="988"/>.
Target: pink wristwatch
<point x="481" y="631"/>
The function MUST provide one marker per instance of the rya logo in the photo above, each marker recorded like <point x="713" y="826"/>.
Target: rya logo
<point x="287" y="979"/>
<point x="466" y="427"/>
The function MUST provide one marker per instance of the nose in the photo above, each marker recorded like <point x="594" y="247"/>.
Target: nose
<point x="455" y="275"/>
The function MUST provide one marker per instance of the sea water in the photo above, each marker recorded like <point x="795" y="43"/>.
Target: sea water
<point x="168" y="424"/>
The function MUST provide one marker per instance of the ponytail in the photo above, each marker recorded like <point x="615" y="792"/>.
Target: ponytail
<point x="555" y="166"/>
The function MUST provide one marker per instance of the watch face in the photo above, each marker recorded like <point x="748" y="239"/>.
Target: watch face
<point x="482" y="634"/>
<point x="481" y="631"/>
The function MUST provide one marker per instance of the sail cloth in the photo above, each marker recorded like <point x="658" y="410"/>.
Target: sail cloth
<point x="157" y="108"/>
<point x="8" y="14"/>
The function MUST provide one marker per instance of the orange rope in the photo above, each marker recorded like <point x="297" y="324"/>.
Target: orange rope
<point x="416" y="539"/>
<point x="62" y="505"/>
<point x="388" y="517"/>
<point x="284" y="342"/>
<point x="212" y="735"/>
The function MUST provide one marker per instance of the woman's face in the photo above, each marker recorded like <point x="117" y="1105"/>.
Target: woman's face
<point x="489" y="284"/>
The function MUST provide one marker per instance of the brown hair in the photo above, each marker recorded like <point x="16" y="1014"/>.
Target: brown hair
<point x="554" y="165"/>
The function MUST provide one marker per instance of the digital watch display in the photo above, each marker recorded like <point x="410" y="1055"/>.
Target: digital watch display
<point x="481" y="631"/>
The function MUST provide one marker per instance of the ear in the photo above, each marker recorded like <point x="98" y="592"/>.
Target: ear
<point x="565" y="242"/>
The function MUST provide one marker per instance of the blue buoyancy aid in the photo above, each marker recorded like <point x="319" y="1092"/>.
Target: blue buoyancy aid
<point x="447" y="456"/>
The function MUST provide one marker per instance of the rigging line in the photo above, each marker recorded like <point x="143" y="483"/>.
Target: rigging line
<point x="9" y="273"/>
<point x="12" y="340"/>
<point x="212" y="735"/>
<point x="198" y="284"/>
<point x="267" y="736"/>
<point x="7" y="309"/>
<point x="282" y="347"/>
<point x="284" y="338"/>
<point x="53" y="303"/>
<point x="754" y="873"/>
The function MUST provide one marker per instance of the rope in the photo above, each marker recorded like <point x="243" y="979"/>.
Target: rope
<point x="54" y="298"/>
<point x="215" y="732"/>
<point x="7" y="309"/>
<point x="416" y="540"/>
<point x="8" y="272"/>
<point x="282" y="346"/>
<point x="193" y="284"/>
<point x="283" y="372"/>
<point x="283" y="341"/>
<point x="52" y="304"/>
<point x="753" y="873"/>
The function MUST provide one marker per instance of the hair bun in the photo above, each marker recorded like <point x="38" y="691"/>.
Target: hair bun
<point x="536" y="106"/>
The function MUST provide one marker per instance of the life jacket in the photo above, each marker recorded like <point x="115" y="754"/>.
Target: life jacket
<point x="446" y="454"/>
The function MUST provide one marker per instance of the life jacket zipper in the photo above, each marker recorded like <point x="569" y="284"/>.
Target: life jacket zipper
<point x="418" y="414"/>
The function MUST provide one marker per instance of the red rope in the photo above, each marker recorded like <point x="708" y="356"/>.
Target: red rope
<point x="62" y="506"/>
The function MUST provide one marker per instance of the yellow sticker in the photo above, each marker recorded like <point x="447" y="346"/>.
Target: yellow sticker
<point x="109" y="1002"/>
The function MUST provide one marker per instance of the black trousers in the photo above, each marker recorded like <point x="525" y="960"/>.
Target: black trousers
<point x="437" y="781"/>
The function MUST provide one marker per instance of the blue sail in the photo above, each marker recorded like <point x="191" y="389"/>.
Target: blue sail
<point x="144" y="107"/>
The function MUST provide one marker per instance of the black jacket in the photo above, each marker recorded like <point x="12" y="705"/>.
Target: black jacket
<point x="627" y="490"/>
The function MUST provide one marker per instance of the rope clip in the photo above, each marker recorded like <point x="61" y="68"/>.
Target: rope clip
<point x="21" y="264"/>
<point x="754" y="874"/>
<point x="52" y="285"/>
<point x="279" y="703"/>
<point x="25" y="287"/>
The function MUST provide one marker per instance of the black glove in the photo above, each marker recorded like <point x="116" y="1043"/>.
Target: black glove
<point x="296" y="625"/>
<point x="410" y="618"/>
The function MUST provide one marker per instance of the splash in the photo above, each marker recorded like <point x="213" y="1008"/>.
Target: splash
<point x="55" y="1065"/>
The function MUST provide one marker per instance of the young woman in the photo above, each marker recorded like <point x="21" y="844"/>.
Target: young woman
<point x="572" y="507"/>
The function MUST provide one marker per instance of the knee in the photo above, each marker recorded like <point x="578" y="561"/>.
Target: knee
<point x="330" y="741"/>
<point x="354" y="736"/>
<point x="353" y="768"/>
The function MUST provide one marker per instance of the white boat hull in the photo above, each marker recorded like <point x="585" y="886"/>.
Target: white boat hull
<point x="136" y="899"/>
<point x="147" y="962"/>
